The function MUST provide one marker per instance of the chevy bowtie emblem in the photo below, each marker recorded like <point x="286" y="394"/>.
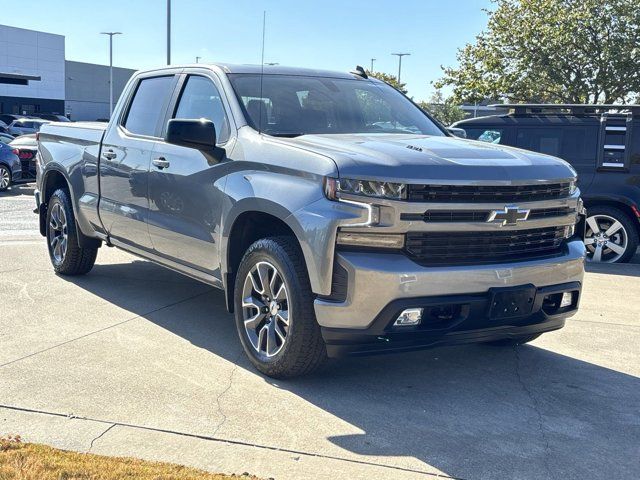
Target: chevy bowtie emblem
<point x="511" y="215"/>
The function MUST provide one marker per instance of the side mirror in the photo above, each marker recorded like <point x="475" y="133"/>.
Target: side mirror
<point x="199" y="134"/>
<point x="458" y="132"/>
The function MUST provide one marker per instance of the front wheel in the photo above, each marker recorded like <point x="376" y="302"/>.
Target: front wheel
<point x="67" y="256"/>
<point x="611" y="235"/>
<point x="274" y="310"/>
<point x="5" y="178"/>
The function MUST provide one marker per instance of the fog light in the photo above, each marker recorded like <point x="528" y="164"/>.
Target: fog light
<point x="408" y="317"/>
<point x="567" y="299"/>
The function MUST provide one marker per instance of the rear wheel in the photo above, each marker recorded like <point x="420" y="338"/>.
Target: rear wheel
<point x="5" y="178"/>
<point x="611" y="235"/>
<point x="274" y="310"/>
<point x="67" y="257"/>
<point x="511" y="342"/>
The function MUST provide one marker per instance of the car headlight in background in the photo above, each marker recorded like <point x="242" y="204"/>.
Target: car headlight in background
<point x="365" y="188"/>
<point x="573" y="186"/>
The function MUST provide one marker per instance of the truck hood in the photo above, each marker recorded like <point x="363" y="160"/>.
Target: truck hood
<point x="420" y="158"/>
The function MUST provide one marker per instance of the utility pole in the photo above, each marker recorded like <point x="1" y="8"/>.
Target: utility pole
<point x="168" y="32"/>
<point x="198" y="59"/>
<point x="372" y="60"/>
<point x="400" y="55"/>
<point x="111" y="34"/>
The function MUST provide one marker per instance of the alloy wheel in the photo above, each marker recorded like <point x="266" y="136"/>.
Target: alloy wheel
<point x="265" y="309"/>
<point x="5" y="179"/>
<point x="58" y="236"/>
<point x="606" y="239"/>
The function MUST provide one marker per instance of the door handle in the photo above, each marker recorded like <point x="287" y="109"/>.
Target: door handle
<point x="161" y="162"/>
<point x="109" y="154"/>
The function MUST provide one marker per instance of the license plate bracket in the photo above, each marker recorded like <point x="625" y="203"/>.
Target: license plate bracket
<point x="511" y="302"/>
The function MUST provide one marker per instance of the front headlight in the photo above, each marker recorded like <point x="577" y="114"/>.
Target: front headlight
<point x="366" y="188"/>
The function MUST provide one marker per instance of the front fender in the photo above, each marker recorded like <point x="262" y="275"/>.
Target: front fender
<point x="300" y="203"/>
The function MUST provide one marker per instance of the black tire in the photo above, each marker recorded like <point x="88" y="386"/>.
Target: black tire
<point x="512" y="342"/>
<point x="75" y="260"/>
<point x="629" y="224"/>
<point x="304" y="350"/>
<point x="5" y="173"/>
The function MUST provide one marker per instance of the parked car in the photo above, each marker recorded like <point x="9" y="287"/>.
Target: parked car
<point x="52" y="117"/>
<point x="602" y="142"/>
<point x="4" y="128"/>
<point x="338" y="217"/>
<point x="26" y="147"/>
<point x="8" y="118"/>
<point x="6" y="138"/>
<point x="24" y="126"/>
<point x="10" y="168"/>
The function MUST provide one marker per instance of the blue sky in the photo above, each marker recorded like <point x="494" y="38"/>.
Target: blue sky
<point x="328" y="34"/>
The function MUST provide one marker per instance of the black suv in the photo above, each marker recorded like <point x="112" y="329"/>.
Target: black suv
<point x="602" y="142"/>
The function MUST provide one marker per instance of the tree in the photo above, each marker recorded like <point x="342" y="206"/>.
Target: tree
<point x="563" y="51"/>
<point x="446" y="110"/>
<point x="390" y="79"/>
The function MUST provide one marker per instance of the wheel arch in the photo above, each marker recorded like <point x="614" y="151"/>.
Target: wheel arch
<point x="53" y="179"/>
<point x="245" y="228"/>
<point x="623" y="204"/>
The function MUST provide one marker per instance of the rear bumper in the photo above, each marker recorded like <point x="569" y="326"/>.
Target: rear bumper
<point x="468" y="321"/>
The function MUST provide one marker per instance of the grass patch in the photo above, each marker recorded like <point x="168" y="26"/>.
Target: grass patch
<point x="29" y="461"/>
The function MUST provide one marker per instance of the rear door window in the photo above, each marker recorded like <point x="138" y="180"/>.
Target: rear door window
<point x="576" y="144"/>
<point x="543" y="140"/>
<point x="489" y="135"/>
<point x="148" y="105"/>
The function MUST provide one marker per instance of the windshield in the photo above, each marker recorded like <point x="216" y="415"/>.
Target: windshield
<point x="289" y="105"/>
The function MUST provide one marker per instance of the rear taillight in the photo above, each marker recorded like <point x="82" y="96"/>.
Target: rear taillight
<point x="15" y="151"/>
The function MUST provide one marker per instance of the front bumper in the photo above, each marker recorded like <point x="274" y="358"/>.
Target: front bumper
<point x="380" y="285"/>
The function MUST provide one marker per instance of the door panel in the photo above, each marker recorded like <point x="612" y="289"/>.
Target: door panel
<point x="124" y="177"/>
<point x="185" y="194"/>
<point x="125" y="162"/>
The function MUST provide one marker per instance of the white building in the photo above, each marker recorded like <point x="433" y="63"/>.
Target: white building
<point x="36" y="78"/>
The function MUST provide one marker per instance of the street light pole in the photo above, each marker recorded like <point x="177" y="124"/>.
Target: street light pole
<point x="400" y="55"/>
<point x="372" y="60"/>
<point x="198" y="59"/>
<point x="168" y="32"/>
<point x="111" y="34"/>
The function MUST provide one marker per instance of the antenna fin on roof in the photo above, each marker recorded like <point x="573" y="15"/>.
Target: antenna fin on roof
<point x="360" y="72"/>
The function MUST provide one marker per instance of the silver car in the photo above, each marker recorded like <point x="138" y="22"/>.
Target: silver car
<point x="25" y="126"/>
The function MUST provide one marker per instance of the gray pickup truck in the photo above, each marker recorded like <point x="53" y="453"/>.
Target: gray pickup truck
<point x="337" y="216"/>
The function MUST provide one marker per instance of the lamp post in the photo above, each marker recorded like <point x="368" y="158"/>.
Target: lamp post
<point x="372" y="60"/>
<point x="198" y="59"/>
<point x="400" y="55"/>
<point x="168" y="32"/>
<point x="111" y="34"/>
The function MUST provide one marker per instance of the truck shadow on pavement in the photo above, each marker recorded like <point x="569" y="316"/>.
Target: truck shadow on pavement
<point x="471" y="412"/>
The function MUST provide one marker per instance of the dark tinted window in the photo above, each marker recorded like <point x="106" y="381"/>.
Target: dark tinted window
<point x="635" y="144"/>
<point x="543" y="140"/>
<point x="571" y="143"/>
<point x="580" y="143"/>
<point x="148" y="105"/>
<point x="489" y="134"/>
<point x="201" y="99"/>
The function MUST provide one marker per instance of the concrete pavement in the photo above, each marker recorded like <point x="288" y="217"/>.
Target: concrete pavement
<point x="135" y="360"/>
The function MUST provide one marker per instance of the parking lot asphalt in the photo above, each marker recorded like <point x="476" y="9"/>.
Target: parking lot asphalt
<point x="135" y="360"/>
